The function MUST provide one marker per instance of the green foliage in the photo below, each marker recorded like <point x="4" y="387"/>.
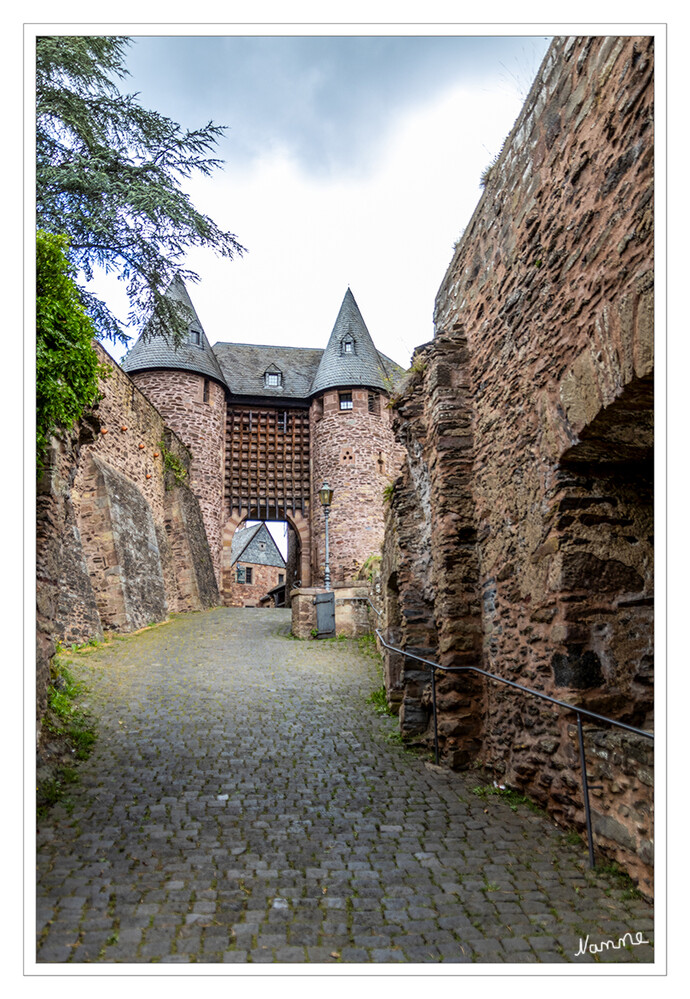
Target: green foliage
<point x="511" y="797"/>
<point x="65" y="717"/>
<point x="173" y="464"/>
<point x="367" y="646"/>
<point x="388" y="492"/>
<point x="69" y="723"/>
<point x="108" y="174"/>
<point x="380" y="701"/>
<point x="620" y="880"/>
<point x="67" y="367"/>
<point x="487" y="172"/>
<point x="370" y="567"/>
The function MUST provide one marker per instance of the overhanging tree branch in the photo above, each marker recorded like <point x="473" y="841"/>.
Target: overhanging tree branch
<point x="108" y="175"/>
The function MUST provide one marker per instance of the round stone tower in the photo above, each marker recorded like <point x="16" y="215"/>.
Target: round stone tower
<point x="352" y="445"/>
<point x="187" y="387"/>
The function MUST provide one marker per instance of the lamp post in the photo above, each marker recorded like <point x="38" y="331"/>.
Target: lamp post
<point x="326" y="496"/>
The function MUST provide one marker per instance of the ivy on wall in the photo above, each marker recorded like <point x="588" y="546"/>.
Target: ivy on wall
<point x="67" y="367"/>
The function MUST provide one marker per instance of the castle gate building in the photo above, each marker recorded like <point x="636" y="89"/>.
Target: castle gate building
<point x="268" y="424"/>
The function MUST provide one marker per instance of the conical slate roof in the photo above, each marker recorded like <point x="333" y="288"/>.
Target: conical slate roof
<point x="350" y="357"/>
<point x="156" y="352"/>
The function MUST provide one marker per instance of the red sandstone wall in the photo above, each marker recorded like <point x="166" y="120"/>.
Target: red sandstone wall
<point x="354" y="450"/>
<point x="528" y="427"/>
<point x="178" y="396"/>
<point x="119" y="542"/>
<point x="264" y="578"/>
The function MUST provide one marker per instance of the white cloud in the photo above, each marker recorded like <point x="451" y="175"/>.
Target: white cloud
<point x="386" y="229"/>
<point x="389" y="235"/>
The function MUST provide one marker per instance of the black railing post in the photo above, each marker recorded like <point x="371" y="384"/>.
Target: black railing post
<point x="433" y="703"/>
<point x="534" y="693"/>
<point x="585" y="790"/>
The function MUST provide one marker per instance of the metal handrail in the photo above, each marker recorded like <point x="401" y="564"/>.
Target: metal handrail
<point x="535" y="693"/>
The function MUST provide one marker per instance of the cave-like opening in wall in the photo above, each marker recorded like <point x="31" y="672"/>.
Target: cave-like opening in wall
<point x="605" y="531"/>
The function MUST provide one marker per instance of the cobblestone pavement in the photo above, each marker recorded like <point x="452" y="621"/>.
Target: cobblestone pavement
<point x="245" y="804"/>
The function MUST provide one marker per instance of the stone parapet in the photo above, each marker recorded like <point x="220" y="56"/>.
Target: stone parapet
<point x="352" y="612"/>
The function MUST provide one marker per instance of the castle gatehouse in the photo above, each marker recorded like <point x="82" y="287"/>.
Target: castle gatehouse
<point x="267" y="425"/>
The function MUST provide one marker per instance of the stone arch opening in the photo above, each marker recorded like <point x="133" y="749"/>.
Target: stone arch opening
<point x="297" y="567"/>
<point x="605" y="560"/>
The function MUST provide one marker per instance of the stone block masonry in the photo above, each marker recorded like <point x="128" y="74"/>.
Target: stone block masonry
<point x="120" y="538"/>
<point x="194" y="408"/>
<point x="520" y="537"/>
<point x="354" y="450"/>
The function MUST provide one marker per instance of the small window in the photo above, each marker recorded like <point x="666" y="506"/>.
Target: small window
<point x="195" y="337"/>
<point x="347" y="345"/>
<point x="283" y="422"/>
<point x="281" y="577"/>
<point x="273" y="379"/>
<point x="374" y="403"/>
<point x="346" y="400"/>
<point x="207" y="389"/>
<point x="262" y="546"/>
<point x="248" y="574"/>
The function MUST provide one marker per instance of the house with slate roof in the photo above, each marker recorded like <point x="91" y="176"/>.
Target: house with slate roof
<point x="258" y="565"/>
<point x="267" y="425"/>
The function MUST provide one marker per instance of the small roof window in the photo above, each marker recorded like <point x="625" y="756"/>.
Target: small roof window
<point x="348" y="345"/>
<point x="195" y="337"/>
<point x="273" y="378"/>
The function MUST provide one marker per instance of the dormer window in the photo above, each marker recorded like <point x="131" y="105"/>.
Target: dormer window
<point x="273" y="379"/>
<point x="195" y="338"/>
<point x="347" y="345"/>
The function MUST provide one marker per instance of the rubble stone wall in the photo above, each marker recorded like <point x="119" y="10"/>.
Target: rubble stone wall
<point x="194" y="408"/>
<point x="520" y="537"/>
<point x="120" y="542"/>
<point x="264" y="578"/>
<point x="355" y="451"/>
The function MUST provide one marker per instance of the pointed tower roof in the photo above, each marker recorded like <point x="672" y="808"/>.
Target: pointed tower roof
<point x="193" y="354"/>
<point x="350" y="357"/>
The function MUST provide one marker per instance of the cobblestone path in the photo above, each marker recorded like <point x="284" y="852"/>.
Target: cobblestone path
<point x="245" y="803"/>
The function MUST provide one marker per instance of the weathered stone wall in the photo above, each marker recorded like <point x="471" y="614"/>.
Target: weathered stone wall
<point x="352" y="614"/>
<point x="199" y="422"/>
<point x="355" y="451"/>
<point x="520" y="537"/>
<point x="120" y="542"/>
<point x="264" y="578"/>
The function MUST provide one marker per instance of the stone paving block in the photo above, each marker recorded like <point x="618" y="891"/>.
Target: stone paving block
<point x="384" y="860"/>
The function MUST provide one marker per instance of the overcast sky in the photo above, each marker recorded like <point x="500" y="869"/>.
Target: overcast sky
<point x="348" y="161"/>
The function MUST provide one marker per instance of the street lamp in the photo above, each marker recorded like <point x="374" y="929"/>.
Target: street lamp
<point x="326" y="496"/>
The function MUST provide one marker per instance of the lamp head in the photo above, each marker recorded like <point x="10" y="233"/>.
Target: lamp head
<point x="325" y="494"/>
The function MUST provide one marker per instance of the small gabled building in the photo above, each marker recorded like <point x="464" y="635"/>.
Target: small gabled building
<point x="256" y="564"/>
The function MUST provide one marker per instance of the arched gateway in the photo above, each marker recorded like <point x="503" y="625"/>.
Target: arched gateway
<point x="267" y="425"/>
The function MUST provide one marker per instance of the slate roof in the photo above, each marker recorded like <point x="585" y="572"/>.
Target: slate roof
<point x="244" y="366"/>
<point x="246" y="547"/>
<point x="362" y="364"/>
<point x="156" y="352"/>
